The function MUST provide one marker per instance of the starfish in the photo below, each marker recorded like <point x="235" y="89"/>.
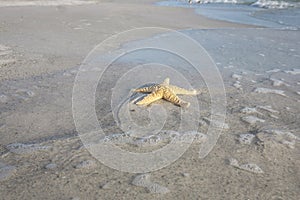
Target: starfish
<point x="164" y="91"/>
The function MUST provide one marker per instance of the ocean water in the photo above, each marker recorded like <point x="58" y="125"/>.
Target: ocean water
<point x="265" y="13"/>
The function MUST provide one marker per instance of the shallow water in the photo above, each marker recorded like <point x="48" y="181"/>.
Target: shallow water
<point x="259" y="13"/>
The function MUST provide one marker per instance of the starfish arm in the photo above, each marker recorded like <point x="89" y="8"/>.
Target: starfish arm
<point x="154" y="96"/>
<point x="166" y="81"/>
<point x="146" y="89"/>
<point x="178" y="90"/>
<point x="173" y="98"/>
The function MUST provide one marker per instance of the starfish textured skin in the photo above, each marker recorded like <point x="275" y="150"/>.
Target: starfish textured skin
<point x="164" y="91"/>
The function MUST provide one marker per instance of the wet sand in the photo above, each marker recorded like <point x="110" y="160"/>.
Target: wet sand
<point x="256" y="157"/>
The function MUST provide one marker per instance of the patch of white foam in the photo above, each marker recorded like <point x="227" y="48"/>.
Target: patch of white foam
<point x="248" y="110"/>
<point x="5" y="62"/>
<point x="217" y="124"/>
<point x="276" y="136"/>
<point x="6" y="171"/>
<point x="282" y="133"/>
<point x="293" y="71"/>
<point x="274" y="116"/>
<point x="229" y="67"/>
<point x="3" y="98"/>
<point x="273" y="71"/>
<point x="246" y="138"/>
<point x="3" y="47"/>
<point x="269" y="91"/>
<point x="51" y="166"/>
<point x="237" y="77"/>
<point x="277" y="82"/>
<point x="250" y="167"/>
<point x="152" y="140"/>
<point x="268" y="108"/>
<point x="273" y="4"/>
<point x="238" y="85"/>
<point x="45" y="3"/>
<point x="25" y="92"/>
<point x="252" y="119"/>
<point x="20" y="148"/>
<point x="143" y="180"/>
<point x="4" y="53"/>
<point x="86" y="164"/>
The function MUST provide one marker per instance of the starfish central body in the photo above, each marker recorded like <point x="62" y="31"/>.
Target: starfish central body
<point x="164" y="91"/>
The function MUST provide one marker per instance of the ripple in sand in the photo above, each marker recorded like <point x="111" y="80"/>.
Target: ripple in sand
<point x="250" y="167"/>
<point x="269" y="91"/>
<point x="252" y="119"/>
<point x="143" y="180"/>
<point x="20" y="148"/>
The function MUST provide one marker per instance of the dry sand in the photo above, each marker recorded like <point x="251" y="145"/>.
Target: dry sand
<point x="41" y="48"/>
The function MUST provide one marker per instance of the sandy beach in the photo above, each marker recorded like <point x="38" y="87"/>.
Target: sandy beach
<point x="45" y="50"/>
